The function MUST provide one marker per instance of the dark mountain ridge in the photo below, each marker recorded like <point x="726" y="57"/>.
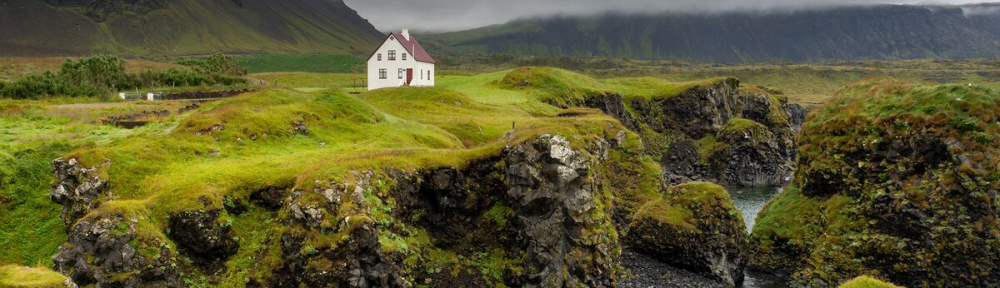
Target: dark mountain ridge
<point x="182" y="27"/>
<point x="844" y="33"/>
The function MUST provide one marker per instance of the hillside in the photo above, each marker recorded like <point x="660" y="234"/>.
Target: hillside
<point x="182" y="27"/>
<point x="848" y="33"/>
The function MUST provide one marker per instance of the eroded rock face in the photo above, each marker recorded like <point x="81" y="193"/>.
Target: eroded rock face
<point x="696" y="227"/>
<point x="553" y="199"/>
<point x="356" y="262"/>
<point x="102" y="252"/>
<point x="333" y="246"/>
<point x="77" y="188"/>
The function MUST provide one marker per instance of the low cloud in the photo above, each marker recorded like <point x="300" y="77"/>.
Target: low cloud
<point x="452" y="15"/>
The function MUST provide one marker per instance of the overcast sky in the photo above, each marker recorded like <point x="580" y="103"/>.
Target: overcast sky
<point x="452" y="15"/>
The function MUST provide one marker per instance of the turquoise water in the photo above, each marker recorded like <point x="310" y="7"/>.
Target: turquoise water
<point x="750" y="201"/>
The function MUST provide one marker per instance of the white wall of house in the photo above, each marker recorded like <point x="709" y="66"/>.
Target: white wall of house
<point x="395" y="70"/>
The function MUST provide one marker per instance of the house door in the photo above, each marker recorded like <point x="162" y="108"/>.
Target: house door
<point x="409" y="76"/>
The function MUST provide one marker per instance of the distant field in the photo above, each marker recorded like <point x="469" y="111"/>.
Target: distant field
<point x="315" y="63"/>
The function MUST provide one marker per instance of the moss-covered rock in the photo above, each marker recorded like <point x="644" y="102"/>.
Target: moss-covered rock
<point x="718" y="112"/>
<point x="866" y="282"/>
<point x="895" y="180"/>
<point x="694" y="226"/>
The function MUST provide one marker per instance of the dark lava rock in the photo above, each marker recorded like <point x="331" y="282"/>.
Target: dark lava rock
<point x="683" y="162"/>
<point x="747" y="154"/>
<point x="99" y="252"/>
<point x="200" y="235"/>
<point x="77" y="188"/>
<point x="694" y="227"/>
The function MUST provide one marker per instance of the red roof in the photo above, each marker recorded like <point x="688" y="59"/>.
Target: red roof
<point x="411" y="46"/>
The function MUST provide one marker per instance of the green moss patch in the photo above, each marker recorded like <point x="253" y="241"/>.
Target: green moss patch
<point x="13" y="276"/>
<point x="866" y="282"/>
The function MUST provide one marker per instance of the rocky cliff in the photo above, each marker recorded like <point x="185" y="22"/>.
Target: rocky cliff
<point x="717" y="130"/>
<point x="895" y="180"/>
<point x="540" y="212"/>
<point x="739" y="136"/>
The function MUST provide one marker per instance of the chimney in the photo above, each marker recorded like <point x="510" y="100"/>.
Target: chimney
<point x="406" y="34"/>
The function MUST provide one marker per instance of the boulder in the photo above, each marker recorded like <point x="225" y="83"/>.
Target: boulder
<point x="695" y="227"/>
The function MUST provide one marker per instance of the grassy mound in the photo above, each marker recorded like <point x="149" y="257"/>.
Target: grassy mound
<point x="894" y="181"/>
<point x="866" y="282"/>
<point x="12" y="276"/>
<point x="556" y="86"/>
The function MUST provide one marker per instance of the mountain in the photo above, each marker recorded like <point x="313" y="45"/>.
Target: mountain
<point x="845" y="33"/>
<point x="182" y="27"/>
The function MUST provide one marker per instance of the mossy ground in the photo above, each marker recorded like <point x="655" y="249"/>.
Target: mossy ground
<point x="14" y="276"/>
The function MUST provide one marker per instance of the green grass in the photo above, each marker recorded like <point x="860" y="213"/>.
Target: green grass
<point x="311" y="82"/>
<point x="866" y="282"/>
<point x="310" y="63"/>
<point x="13" y="276"/>
<point x="650" y="87"/>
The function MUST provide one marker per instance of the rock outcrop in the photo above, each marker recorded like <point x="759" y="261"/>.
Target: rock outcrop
<point x="77" y="188"/>
<point x="699" y="117"/>
<point x="552" y="217"/>
<point x="199" y="234"/>
<point x="696" y="227"/>
<point x="896" y="181"/>
<point x="103" y="252"/>
<point x="556" y="213"/>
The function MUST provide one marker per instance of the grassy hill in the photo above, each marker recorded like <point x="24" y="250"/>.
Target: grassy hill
<point x="868" y="32"/>
<point x="183" y="27"/>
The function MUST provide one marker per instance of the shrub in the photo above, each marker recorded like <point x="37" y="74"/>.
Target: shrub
<point x="100" y="75"/>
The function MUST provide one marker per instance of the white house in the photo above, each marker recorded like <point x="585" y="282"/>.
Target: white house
<point x="400" y="61"/>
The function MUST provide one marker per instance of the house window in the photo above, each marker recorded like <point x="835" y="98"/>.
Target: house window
<point x="421" y="74"/>
<point x="382" y="74"/>
<point x="392" y="55"/>
<point x="428" y="74"/>
<point x="400" y="73"/>
<point x="379" y="56"/>
<point x="404" y="56"/>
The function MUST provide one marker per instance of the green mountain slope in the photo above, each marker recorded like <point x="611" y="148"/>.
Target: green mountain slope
<point x="182" y="27"/>
<point x="863" y="32"/>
